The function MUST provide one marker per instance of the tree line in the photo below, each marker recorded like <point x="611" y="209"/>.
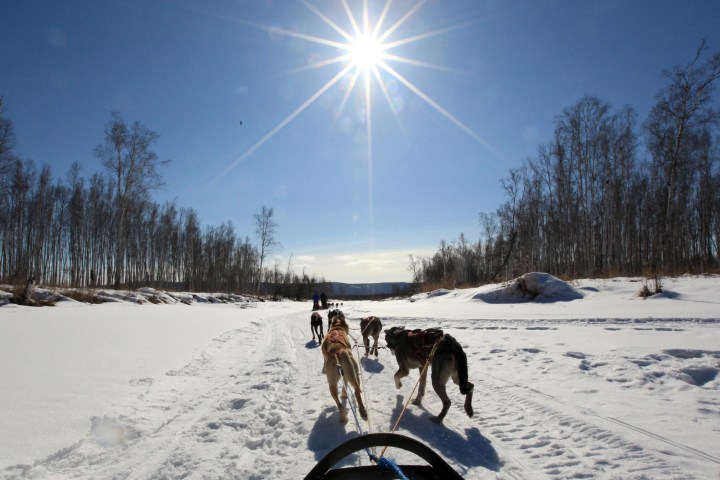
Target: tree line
<point x="106" y="231"/>
<point x="593" y="202"/>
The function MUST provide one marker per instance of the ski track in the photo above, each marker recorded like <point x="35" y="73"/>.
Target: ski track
<point x="176" y="433"/>
<point x="522" y="433"/>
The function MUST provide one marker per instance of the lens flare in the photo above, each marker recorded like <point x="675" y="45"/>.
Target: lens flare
<point x="364" y="56"/>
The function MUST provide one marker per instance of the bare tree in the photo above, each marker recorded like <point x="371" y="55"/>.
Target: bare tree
<point x="133" y="167"/>
<point x="7" y="144"/>
<point x="415" y="267"/>
<point x="265" y="229"/>
<point x="675" y="128"/>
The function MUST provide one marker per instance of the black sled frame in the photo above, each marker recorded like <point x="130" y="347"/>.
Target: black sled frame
<point x="437" y="469"/>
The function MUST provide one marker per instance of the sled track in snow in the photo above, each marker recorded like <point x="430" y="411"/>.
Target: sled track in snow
<point x="265" y="450"/>
<point x="547" y="441"/>
<point x="694" y="451"/>
<point x="540" y="436"/>
<point x="207" y="423"/>
<point x="263" y="433"/>
<point x="271" y="413"/>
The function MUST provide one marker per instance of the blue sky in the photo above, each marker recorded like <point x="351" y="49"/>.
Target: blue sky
<point x="477" y="93"/>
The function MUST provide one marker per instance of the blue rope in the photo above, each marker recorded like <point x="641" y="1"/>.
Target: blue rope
<point x="389" y="464"/>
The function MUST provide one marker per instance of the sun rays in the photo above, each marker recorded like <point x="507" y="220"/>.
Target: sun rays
<point x="363" y="62"/>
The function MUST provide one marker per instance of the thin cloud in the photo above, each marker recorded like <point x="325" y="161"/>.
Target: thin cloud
<point x="364" y="267"/>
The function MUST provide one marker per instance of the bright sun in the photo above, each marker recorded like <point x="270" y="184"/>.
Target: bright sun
<point x="365" y="51"/>
<point x="365" y="59"/>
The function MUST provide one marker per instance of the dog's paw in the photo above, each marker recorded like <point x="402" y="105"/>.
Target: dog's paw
<point x="437" y="420"/>
<point x="417" y="401"/>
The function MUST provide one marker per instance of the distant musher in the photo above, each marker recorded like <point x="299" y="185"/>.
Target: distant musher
<point x="323" y="301"/>
<point x="316" y="301"/>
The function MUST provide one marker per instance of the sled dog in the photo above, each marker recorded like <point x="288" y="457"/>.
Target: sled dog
<point x="413" y="348"/>
<point x="332" y="314"/>
<point x="371" y="327"/>
<point x="316" y="326"/>
<point x="337" y="357"/>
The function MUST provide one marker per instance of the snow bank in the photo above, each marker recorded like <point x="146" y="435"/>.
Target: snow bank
<point x="532" y="287"/>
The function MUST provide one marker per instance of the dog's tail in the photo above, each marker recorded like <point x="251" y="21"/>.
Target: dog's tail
<point x="351" y="375"/>
<point x="460" y="363"/>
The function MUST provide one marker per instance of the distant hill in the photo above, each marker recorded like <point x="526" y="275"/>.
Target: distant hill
<point x="344" y="290"/>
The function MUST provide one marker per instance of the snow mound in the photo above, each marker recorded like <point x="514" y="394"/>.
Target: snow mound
<point x="440" y="292"/>
<point x="5" y="294"/>
<point x="532" y="287"/>
<point x="42" y="296"/>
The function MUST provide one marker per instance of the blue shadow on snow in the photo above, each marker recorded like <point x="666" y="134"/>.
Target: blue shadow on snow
<point x="370" y="365"/>
<point x="328" y="433"/>
<point x="473" y="450"/>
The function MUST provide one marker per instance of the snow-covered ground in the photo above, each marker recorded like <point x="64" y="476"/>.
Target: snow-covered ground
<point x="586" y="380"/>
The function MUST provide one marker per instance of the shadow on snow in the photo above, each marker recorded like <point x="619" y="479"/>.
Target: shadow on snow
<point x="328" y="433"/>
<point x="472" y="450"/>
<point x="371" y="365"/>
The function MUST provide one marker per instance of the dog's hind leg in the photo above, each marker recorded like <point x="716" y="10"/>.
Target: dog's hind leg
<point x="439" y="388"/>
<point x="467" y="391"/>
<point x="350" y="367"/>
<point x="460" y="376"/>
<point x="443" y="369"/>
<point x="468" y="400"/>
<point x="366" y="342"/>
<point x="332" y="379"/>
<point x="361" y="405"/>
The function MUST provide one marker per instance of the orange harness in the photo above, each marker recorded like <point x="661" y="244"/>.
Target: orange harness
<point x="335" y="341"/>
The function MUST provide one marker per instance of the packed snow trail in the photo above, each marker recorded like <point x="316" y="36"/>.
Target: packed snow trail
<point x="521" y="432"/>
<point x="254" y="404"/>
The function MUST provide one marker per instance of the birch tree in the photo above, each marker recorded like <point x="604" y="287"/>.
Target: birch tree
<point x="675" y="128"/>
<point x="265" y="228"/>
<point x="132" y="165"/>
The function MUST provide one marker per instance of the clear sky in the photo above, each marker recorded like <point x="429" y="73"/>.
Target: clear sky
<point x="254" y="105"/>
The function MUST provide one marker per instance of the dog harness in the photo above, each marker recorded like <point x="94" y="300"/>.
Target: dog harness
<point x="423" y="341"/>
<point x="336" y="340"/>
<point x="365" y="323"/>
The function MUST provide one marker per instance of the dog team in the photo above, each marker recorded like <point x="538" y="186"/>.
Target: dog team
<point x="412" y="349"/>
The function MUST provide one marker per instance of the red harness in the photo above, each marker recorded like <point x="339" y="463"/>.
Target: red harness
<point x="423" y="341"/>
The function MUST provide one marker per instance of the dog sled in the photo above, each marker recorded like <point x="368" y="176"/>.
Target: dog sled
<point x="437" y="468"/>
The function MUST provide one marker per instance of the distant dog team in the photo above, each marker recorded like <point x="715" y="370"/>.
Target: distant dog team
<point x="429" y="349"/>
